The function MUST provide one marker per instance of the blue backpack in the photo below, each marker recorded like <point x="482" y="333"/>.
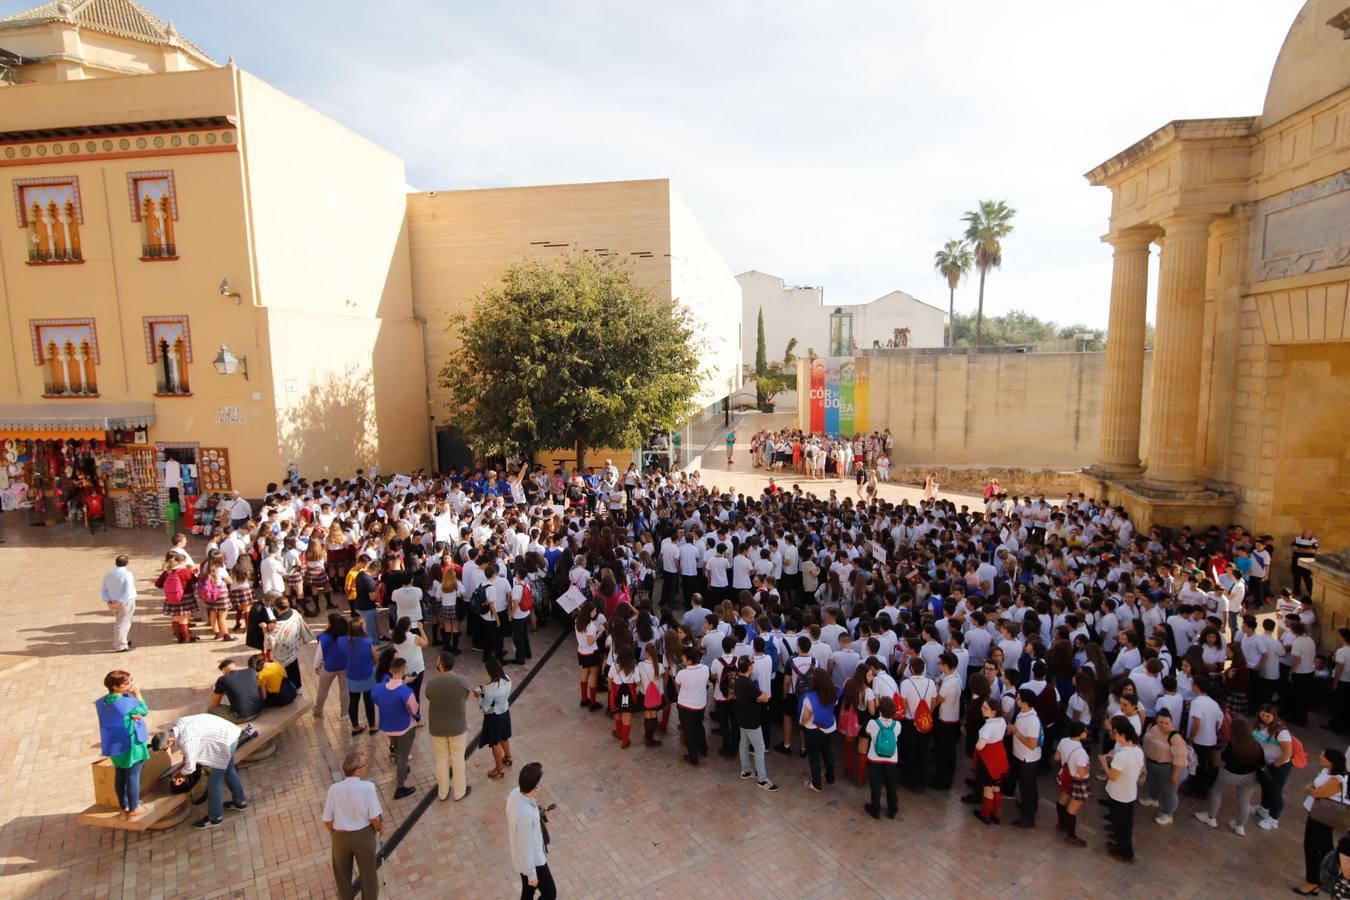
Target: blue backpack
<point x="822" y="713"/>
<point x="885" y="742"/>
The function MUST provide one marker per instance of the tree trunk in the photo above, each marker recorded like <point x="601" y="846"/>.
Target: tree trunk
<point x="581" y="456"/>
<point x="979" y="310"/>
<point x="951" y="315"/>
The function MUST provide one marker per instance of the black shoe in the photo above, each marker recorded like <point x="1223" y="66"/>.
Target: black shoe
<point x="872" y="811"/>
<point x="780" y="748"/>
<point x="972" y="798"/>
<point x="208" y="822"/>
<point x="406" y="791"/>
<point x="892" y="813"/>
<point x="240" y="805"/>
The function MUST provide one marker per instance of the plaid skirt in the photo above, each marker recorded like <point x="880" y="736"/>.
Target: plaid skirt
<point x="293" y="578"/>
<point x="1236" y="703"/>
<point x="317" y="581"/>
<point x="240" y="596"/>
<point x="185" y="606"/>
<point x="222" y="601"/>
<point x="447" y="614"/>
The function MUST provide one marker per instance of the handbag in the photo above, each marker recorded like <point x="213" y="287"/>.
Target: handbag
<point x="1064" y="780"/>
<point x="1332" y="812"/>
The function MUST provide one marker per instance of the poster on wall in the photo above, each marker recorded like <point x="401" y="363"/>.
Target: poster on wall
<point x="840" y="396"/>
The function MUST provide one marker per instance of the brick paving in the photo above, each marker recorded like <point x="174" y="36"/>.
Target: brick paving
<point x="629" y="821"/>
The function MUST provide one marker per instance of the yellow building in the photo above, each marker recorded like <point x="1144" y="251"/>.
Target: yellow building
<point x="202" y="269"/>
<point x="1251" y="364"/>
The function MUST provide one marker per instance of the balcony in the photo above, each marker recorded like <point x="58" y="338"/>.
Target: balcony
<point x="157" y="252"/>
<point x="171" y="388"/>
<point x="38" y="256"/>
<point x="61" y="389"/>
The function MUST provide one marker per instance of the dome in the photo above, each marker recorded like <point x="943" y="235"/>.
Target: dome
<point x="1313" y="63"/>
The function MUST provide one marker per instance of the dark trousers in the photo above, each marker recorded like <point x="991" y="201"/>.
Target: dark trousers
<point x="293" y="673"/>
<point x="1295" y="700"/>
<point x="879" y="774"/>
<point x="359" y="847"/>
<point x="1205" y="773"/>
<point x="669" y="581"/>
<point x="490" y="633"/>
<point x="820" y="755"/>
<point x="354" y="701"/>
<point x="914" y="754"/>
<point x="1028" y="790"/>
<point x="1317" y="843"/>
<point x="1340" y="709"/>
<point x="403" y="745"/>
<point x="945" y="736"/>
<point x="689" y="587"/>
<point x="520" y="636"/>
<point x="546" y="890"/>
<point x="726" y="720"/>
<point x="1122" y="821"/>
<point x="1262" y="691"/>
<point x="695" y="739"/>
<point x="1302" y="579"/>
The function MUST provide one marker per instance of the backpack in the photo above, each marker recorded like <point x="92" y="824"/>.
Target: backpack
<point x="209" y="590"/>
<point x="478" y="602"/>
<point x="822" y="713"/>
<point x="726" y="681"/>
<point x="801" y="681"/>
<point x="1047" y="705"/>
<point x="884" y="746"/>
<point x="526" y="598"/>
<point x="1192" y="761"/>
<point x="923" y="716"/>
<point x="1298" y="754"/>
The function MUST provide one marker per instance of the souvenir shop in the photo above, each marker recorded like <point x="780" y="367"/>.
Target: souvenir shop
<point x="100" y="465"/>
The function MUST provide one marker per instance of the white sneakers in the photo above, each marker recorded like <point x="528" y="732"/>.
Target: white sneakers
<point x="1237" y="829"/>
<point x="1261" y="812"/>
<point x="1207" y="819"/>
<point x="1269" y="824"/>
<point x="1163" y="819"/>
<point x="1144" y="801"/>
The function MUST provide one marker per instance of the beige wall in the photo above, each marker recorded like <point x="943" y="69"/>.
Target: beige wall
<point x="461" y="241"/>
<point x="1022" y="410"/>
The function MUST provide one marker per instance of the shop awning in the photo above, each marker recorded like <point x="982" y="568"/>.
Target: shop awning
<point x="59" y="417"/>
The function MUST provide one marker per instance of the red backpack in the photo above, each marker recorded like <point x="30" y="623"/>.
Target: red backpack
<point x="526" y="598"/>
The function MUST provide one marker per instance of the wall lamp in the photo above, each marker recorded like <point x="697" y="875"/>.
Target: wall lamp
<point x="226" y="292"/>
<point x="226" y="363"/>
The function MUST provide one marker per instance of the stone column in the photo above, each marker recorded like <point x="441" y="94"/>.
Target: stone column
<point x="1175" y="392"/>
<point x="1122" y="391"/>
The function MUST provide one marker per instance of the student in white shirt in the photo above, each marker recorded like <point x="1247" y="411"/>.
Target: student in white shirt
<point x="916" y="690"/>
<point x="1027" y="737"/>
<point x="1123" y="767"/>
<point x="1075" y="769"/>
<point x="881" y="769"/>
<point x="691" y="685"/>
<point x="947" y="723"/>
<point x="1302" y="659"/>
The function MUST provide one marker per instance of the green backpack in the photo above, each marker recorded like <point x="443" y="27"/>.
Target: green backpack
<point x="885" y="742"/>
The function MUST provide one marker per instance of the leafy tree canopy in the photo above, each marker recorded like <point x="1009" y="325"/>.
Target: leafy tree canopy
<point x="1018" y="328"/>
<point x="570" y="355"/>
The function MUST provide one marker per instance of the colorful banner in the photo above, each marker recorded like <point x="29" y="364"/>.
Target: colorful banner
<point x="846" y="385"/>
<point x="832" y="396"/>
<point x="862" y="395"/>
<point x="817" y="396"/>
<point x="840" y="396"/>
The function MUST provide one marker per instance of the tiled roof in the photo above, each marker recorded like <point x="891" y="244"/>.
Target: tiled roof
<point x="124" y="18"/>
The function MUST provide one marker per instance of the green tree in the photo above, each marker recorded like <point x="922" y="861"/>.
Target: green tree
<point x="986" y="227"/>
<point x="570" y="355"/>
<point x="761" y="354"/>
<point x="952" y="262"/>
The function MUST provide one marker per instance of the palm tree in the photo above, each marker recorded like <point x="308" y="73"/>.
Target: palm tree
<point x="952" y="262"/>
<point x="986" y="226"/>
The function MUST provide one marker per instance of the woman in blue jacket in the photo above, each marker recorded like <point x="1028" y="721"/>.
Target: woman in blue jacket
<point x="124" y="735"/>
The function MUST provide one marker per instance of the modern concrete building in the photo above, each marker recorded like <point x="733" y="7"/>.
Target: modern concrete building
<point x="203" y="270"/>
<point x="1251" y="364"/>
<point x="896" y="319"/>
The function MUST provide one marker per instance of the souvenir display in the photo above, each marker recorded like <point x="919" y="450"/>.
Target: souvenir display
<point x="214" y="469"/>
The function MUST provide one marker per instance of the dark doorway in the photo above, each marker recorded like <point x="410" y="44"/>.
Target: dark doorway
<point x="452" y="451"/>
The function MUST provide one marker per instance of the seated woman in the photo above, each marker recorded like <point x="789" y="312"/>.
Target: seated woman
<point x="276" y="688"/>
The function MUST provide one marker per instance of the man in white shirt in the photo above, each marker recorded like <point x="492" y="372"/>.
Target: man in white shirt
<point x="208" y="740"/>
<point x="494" y="617"/>
<point x="352" y="814"/>
<point x="1026" y="747"/>
<point x="119" y="592"/>
<point x="526" y="834"/>
<point x="1302" y="656"/>
<point x="670" y="567"/>
<point x="947" y="727"/>
<point x="718" y="569"/>
<point x="691" y="559"/>
<point x="1205" y="716"/>
<point x="915" y="689"/>
<point x="240" y="511"/>
<point x="691" y="686"/>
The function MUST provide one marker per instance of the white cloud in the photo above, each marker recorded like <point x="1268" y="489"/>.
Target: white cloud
<point x="835" y="144"/>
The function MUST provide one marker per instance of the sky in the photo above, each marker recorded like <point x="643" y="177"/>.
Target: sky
<point x="828" y="143"/>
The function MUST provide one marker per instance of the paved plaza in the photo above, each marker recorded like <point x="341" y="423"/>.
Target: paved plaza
<point x="632" y="821"/>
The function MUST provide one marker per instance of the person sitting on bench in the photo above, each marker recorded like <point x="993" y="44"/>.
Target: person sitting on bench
<point x="276" y="688"/>
<point x="238" y="685"/>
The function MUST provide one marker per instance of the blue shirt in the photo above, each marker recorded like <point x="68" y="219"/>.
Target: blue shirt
<point x="360" y="664"/>
<point x="334" y="652"/>
<point x="393" y="706"/>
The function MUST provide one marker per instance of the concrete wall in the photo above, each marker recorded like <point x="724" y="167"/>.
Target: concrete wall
<point x="1020" y="410"/>
<point x="797" y="311"/>
<point x="701" y="282"/>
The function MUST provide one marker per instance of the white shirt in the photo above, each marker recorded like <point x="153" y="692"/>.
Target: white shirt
<point x="351" y="804"/>
<point x="1129" y="762"/>
<point x="119" y="586"/>
<point x="206" y="740"/>
<point x="949" y="690"/>
<point x="240" y="510"/>
<point x="407" y="602"/>
<point x="1205" y="718"/>
<point x="526" y="833"/>
<point x="692" y="687"/>
<point x="1027" y="724"/>
<point x="1302" y="655"/>
<point x="912" y="690"/>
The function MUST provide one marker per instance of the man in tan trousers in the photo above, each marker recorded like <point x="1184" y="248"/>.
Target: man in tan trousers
<point x="446" y="694"/>
<point x="352" y="815"/>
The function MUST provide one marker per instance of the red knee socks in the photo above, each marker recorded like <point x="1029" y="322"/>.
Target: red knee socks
<point x="862" y="767"/>
<point x="583" y="691"/>
<point x="625" y="730"/>
<point x="998" y="803"/>
<point x="987" y="807"/>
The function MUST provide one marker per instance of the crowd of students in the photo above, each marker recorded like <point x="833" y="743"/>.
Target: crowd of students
<point x="1051" y="635"/>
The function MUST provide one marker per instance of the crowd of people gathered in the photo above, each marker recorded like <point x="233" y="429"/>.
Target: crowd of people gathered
<point x="1030" y="637"/>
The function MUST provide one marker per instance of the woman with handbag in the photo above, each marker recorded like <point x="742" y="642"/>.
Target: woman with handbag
<point x="1328" y="812"/>
<point x="1241" y="760"/>
<point x="1278" y="745"/>
<point x="494" y="699"/>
